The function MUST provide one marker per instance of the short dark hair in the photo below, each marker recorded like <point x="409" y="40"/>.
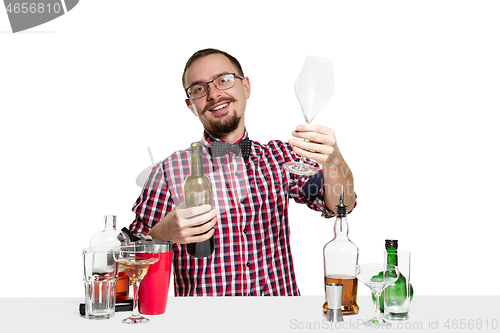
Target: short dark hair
<point x="203" y="53"/>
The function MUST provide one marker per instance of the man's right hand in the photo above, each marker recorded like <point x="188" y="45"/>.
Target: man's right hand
<point x="183" y="226"/>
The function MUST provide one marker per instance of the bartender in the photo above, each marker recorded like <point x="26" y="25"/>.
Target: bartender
<point x="249" y="220"/>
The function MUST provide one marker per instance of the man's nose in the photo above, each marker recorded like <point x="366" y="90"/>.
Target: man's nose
<point x="213" y="92"/>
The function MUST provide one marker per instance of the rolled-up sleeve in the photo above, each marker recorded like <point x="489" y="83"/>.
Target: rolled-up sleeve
<point x="154" y="202"/>
<point x="309" y="190"/>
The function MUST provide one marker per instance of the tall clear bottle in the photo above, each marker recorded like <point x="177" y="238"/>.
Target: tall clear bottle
<point x="107" y="240"/>
<point x="340" y="257"/>
<point x="197" y="192"/>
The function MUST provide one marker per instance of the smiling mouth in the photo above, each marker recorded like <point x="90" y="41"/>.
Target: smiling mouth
<point x="220" y="107"/>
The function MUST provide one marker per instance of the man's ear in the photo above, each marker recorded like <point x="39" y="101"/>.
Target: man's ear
<point x="246" y="85"/>
<point x="191" y="107"/>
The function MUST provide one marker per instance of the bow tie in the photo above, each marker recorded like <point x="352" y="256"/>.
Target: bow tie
<point x="242" y="148"/>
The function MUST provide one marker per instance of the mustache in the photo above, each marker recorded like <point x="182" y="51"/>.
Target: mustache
<point x="225" y="99"/>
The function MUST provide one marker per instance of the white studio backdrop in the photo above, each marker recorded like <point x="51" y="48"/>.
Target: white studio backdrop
<point x="414" y="111"/>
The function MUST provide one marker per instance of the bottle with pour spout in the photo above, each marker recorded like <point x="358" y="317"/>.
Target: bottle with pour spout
<point x="340" y="257"/>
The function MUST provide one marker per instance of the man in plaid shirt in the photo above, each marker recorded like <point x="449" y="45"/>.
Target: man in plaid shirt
<point x="251" y="189"/>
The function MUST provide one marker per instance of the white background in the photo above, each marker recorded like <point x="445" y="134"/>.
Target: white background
<point x="415" y="114"/>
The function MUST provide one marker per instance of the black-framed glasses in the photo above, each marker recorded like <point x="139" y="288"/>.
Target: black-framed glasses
<point x="222" y="82"/>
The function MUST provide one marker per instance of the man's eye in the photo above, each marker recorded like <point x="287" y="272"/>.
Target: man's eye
<point x="223" y="80"/>
<point x="198" y="89"/>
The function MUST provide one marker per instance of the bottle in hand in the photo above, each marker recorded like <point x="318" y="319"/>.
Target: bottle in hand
<point x="197" y="192"/>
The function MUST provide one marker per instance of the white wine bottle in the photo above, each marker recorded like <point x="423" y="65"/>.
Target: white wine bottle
<point x="197" y="192"/>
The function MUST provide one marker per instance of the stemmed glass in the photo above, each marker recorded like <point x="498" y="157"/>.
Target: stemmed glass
<point x="136" y="258"/>
<point x="313" y="88"/>
<point x="377" y="277"/>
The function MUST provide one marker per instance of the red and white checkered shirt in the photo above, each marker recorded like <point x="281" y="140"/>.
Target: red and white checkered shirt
<point x="252" y="253"/>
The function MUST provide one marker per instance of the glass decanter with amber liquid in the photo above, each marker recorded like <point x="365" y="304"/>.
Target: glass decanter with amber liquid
<point x="340" y="257"/>
<point x="108" y="239"/>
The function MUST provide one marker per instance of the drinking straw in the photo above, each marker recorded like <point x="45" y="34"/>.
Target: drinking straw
<point x="151" y="156"/>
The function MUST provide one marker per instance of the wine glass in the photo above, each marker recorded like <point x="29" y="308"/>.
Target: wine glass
<point x="377" y="277"/>
<point x="313" y="88"/>
<point x="136" y="258"/>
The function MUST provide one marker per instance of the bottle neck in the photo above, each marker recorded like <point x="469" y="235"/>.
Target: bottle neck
<point x="196" y="162"/>
<point x="392" y="255"/>
<point x="341" y="228"/>
<point x="109" y="222"/>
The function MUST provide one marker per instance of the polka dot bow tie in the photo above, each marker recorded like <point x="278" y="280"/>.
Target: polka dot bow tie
<point x="242" y="148"/>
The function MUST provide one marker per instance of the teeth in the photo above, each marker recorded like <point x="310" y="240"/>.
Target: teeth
<point x="219" y="107"/>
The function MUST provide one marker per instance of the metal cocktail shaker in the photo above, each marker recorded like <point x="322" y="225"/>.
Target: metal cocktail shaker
<point x="154" y="287"/>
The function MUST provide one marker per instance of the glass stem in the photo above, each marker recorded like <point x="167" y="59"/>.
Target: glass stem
<point x="301" y="161"/>
<point x="377" y="307"/>
<point x="135" y="312"/>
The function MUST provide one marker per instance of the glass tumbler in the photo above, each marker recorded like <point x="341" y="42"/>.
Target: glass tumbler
<point x="100" y="275"/>
<point x="397" y="296"/>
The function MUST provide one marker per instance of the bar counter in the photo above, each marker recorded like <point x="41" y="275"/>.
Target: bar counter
<point x="255" y="314"/>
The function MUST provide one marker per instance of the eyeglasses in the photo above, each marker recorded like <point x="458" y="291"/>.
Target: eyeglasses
<point x="222" y="82"/>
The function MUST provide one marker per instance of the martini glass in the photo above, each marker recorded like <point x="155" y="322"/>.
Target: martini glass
<point x="136" y="258"/>
<point x="377" y="277"/>
<point x="313" y="88"/>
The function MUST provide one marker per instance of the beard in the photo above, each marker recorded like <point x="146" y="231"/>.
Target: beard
<point x="226" y="126"/>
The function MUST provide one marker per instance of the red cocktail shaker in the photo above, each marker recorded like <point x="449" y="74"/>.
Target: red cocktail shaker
<point x="153" y="290"/>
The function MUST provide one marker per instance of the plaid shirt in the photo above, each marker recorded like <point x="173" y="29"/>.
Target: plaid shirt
<point x="252" y="253"/>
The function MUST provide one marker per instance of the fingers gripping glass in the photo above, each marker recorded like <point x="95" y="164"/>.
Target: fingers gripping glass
<point x="313" y="88"/>
<point x="222" y="82"/>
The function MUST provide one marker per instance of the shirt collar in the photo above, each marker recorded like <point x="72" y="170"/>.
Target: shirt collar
<point x="208" y="139"/>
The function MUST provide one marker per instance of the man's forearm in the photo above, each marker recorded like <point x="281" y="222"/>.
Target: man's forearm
<point x="335" y="175"/>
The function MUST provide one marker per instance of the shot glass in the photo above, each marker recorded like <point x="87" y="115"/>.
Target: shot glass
<point x="100" y="275"/>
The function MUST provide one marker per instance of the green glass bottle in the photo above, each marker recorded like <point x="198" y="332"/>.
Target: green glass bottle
<point x="396" y="291"/>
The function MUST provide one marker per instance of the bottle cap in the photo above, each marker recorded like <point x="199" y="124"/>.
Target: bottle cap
<point x="334" y="296"/>
<point x="391" y="243"/>
<point x="128" y="236"/>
